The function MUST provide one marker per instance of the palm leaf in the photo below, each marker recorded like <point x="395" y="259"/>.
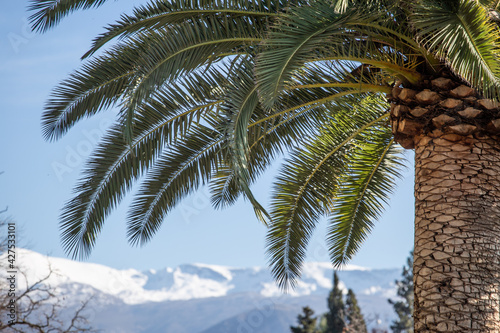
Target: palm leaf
<point x="130" y="72"/>
<point x="160" y="14"/>
<point x="307" y="187"/>
<point x="49" y="12"/>
<point x="116" y="164"/>
<point x="94" y="88"/>
<point x="363" y="192"/>
<point x="461" y="34"/>
<point x="181" y="170"/>
<point x="316" y="33"/>
<point x="179" y="50"/>
<point x="240" y="103"/>
<point x="109" y="174"/>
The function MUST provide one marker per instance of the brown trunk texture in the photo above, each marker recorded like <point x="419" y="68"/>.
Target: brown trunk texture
<point x="457" y="233"/>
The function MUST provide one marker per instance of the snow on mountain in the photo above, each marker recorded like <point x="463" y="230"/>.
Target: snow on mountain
<point x="131" y="301"/>
<point x="199" y="280"/>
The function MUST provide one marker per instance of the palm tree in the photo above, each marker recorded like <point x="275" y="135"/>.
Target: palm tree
<point x="213" y="91"/>
<point x="439" y="61"/>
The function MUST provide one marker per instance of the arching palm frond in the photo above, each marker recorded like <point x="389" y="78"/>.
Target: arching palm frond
<point x="163" y="14"/>
<point x="364" y="192"/>
<point x="241" y="101"/>
<point x="309" y="184"/>
<point x="131" y="71"/>
<point x="460" y="33"/>
<point x="317" y="33"/>
<point x="181" y="170"/>
<point x="50" y="12"/>
<point x="96" y="87"/>
<point x="116" y="164"/>
<point x="109" y="174"/>
<point x="178" y="51"/>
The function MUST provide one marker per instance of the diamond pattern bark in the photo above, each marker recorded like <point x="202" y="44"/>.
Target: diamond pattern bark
<point x="438" y="106"/>
<point x="457" y="233"/>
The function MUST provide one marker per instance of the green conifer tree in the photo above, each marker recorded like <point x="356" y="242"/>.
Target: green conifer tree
<point x="307" y="323"/>
<point x="404" y="307"/>
<point x="355" y="323"/>
<point x="335" y="318"/>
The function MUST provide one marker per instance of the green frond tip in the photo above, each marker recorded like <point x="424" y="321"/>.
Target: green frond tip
<point x="178" y="172"/>
<point x="260" y="211"/>
<point x="241" y="103"/>
<point x="316" y="179"/>
<point x="48" y="13"/>
<point x="363" y="195"/>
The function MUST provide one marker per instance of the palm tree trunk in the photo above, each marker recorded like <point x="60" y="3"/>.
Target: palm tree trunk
<point x="457" y="233"/>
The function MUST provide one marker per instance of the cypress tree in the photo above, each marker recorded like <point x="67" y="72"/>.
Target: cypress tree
<point x="355" y="321"/>
<point x="404" y="307"/>
<point x="335" y="318"/>
<point x="307" y="324"/>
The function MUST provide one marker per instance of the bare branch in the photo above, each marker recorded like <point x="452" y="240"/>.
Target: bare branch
<point x="37" y="306"/>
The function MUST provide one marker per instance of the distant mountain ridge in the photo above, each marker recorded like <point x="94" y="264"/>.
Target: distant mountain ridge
<point x="200" y="298"/>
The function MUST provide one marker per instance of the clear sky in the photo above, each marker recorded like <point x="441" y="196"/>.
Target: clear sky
<point x="39" y="176"/>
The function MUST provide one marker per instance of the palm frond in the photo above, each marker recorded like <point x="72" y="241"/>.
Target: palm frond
<point x="180" y="50"/>
<point x="307" y="187"/>
<point x="363" y="193"/>
<point x="460" y="33"/>
<point x="316" y="33"/>
<point x="181" y="170"/>
<point x="182" y="104"/>
<point x="109" y="174"/>
<point x="161" y="14"/>
<point x="116" y="164"/>
<point x="48" y="13"/>
<point x="94" y="88"/>
<point x="240" y="104"/>
<point x="130" y="72"/>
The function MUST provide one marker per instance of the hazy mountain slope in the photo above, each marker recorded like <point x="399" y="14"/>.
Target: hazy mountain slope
<point x="195" y="298"/>
<point x="254" y="321"/>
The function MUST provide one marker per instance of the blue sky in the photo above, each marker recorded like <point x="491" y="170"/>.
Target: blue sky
<point x="39" y="176"/>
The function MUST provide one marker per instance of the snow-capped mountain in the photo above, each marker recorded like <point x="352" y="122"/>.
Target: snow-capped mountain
<point x="196" y="298"/>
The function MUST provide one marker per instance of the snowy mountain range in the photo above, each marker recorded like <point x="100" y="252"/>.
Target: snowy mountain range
<point x="200" y="298"/>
